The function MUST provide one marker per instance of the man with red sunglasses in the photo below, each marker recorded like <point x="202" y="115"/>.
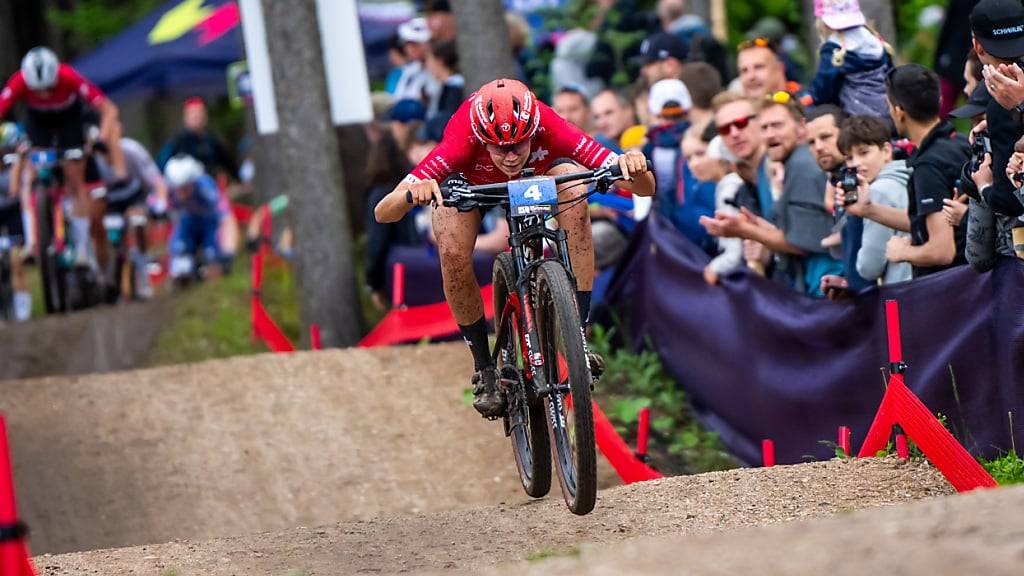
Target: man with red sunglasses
<point x="792" y="224"/>
<point x="736" y="121"/>
<point x="497" y="132"/>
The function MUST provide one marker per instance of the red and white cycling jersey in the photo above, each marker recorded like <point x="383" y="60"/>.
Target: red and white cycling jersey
<point x="70" y="86"/>
<point x="460" y="151"/>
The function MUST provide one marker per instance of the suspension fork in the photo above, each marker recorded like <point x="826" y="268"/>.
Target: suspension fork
<point x="562" y="242"/>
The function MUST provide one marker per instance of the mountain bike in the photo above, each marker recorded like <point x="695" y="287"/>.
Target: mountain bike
<point x="540" y="350"/>
<point x="126" y="233"/>
<point x="65" y="287"/>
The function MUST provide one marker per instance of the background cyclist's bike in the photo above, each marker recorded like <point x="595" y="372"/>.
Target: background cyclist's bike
<point x="540" y="349"/>
<point x="65" y="287"/>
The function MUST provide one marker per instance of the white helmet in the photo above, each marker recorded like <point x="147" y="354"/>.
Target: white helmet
<point x="182" y="170"/>
<point x="39" y="67"/>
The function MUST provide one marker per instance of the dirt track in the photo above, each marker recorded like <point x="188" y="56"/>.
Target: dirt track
<point x="243" y="445"/>
<point x="475" y="539"/>
<point x="978" y="533"/>
<point x="100" y="340"/>
<point x="356" y="461"/>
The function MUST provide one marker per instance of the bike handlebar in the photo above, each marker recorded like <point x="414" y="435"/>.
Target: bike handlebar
<point x="495" y="194"/>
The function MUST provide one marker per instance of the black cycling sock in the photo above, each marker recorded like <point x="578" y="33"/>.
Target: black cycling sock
<point x="583" y="299"/>
<point x="475" y="336"/>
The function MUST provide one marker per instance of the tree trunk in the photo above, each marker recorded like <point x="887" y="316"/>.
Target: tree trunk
<point x="354" y="148"/>
<point x="10" y="55"/>
<point x="485" y="50"/>
<point x="880" y="17"/>
<point x="307" y="150"/>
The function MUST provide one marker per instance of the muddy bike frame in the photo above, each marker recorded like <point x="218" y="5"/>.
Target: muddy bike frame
<point x="527" y="238"/>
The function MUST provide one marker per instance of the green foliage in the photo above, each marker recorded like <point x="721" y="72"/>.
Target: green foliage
<point x="637" y="380"/>
<point x="211" y="320"/>
<point x="92" y="21"/>
<point x="741" y="16"/>
<point x="1007" y="469"/>
<point x="916" y="44"/>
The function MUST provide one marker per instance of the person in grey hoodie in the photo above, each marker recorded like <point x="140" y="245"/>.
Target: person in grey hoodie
<point x="864" y="140"/>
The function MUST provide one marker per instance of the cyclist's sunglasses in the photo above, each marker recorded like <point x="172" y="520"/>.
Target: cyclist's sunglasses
<point x="755" y="43"/>
<point x="739" y="123"/>
<point x="506" y="149"/>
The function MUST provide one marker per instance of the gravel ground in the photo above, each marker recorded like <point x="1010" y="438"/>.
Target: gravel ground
<point x="965" y="534"/>
<point x="237" y="446"/>
<point x="473" y="540"/>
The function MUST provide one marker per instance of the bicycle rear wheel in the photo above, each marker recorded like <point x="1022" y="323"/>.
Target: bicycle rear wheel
<point x="570" y="415"/>
<point x="529" y="433"/>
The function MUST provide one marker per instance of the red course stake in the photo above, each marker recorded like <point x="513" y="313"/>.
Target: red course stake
<point x="398" y="286"/>
<point x="13" y="550"/>
<point x="642" y="432"/>
<point x="900" y="406"/>
<point x="768" y="453"/>
<point x="902" y="448"/>
<point x="844" y="439"/>
<point x="314" y="336"/>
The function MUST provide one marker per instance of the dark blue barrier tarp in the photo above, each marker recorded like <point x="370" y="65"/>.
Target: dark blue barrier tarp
<point x="761" y="361"/>
<point x="187" y="45"/>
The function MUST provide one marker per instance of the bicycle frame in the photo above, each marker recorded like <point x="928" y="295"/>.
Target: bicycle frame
<point x="529" y="234"/>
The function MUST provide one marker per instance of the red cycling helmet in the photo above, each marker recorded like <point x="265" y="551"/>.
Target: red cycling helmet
<point x="504" y="112"/>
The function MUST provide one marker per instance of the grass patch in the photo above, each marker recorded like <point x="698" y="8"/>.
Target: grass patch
<point x="678" y="443"/>
<point x="1008" y="469"/>
<point x="546" y="553"/>
<point x="211" y="320"/>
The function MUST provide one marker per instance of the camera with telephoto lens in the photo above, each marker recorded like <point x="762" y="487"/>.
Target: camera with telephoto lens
<point x="982" y="146"/>
<point x="848" y="178"/>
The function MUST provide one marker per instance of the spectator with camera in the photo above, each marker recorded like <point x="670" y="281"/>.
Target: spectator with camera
<point x="822" y="137"/>
<point x="798" y="221"/>
<point x="998" y="29"/>
<point x="913" y="95"/>
<point x="864" y="140"/>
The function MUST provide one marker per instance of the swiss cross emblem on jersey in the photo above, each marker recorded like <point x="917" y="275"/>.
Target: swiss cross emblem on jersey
<point x="538" y="155"/>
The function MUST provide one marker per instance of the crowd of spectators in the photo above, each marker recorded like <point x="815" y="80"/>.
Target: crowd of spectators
<point x="854" y="178"/>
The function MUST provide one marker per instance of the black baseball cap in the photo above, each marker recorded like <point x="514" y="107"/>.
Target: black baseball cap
<point x="999" y="27"/>
<point x="976" y="104"/>
<point x="661" y="46"/>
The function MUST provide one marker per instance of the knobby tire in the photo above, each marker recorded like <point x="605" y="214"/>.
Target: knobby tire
<point x="561" y="337"/>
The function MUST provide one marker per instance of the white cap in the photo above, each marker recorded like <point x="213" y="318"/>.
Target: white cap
<point x="717" y="150"/>
<point x="415" y="30"/>
<point x="666" y="93"/>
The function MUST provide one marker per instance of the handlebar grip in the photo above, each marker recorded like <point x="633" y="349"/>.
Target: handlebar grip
<point x="408" y="197"/>
<point x="615" y="171"/>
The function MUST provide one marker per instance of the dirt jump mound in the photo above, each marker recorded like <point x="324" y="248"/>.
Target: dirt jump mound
<point x="245" y="445"/>
<point x="468" y="541"/>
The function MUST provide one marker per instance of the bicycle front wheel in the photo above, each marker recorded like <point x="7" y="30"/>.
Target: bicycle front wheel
<point x="54" y="288"/>
<point x="569" y="411"/>
<point x="526" y="412"/>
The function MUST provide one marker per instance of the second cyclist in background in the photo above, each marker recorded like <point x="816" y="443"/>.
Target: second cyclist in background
<point x="198" y="213"/>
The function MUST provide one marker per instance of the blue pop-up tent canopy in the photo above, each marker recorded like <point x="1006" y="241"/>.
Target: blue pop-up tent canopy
<point x="187" y="45"/>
